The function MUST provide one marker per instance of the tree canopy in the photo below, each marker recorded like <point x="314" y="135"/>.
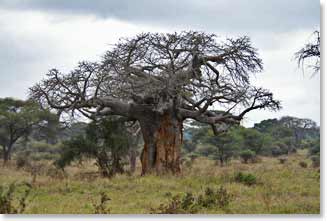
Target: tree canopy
<point x="190" y="71"/>
<point x="17" y="119"/>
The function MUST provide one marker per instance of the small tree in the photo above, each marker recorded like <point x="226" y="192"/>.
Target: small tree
<point x="254" y="140"/>
<point x="17" y="119"/>
<point x="247" y="155"/>
<point x="106" y="141"/>
<point x="226" y="146"/>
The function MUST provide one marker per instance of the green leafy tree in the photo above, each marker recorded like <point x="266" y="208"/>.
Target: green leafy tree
<point x="297" y="129"/>
<point x="106" y="141"/>
<point x="254" y="140"/>
<point x="226" y="145"/>
<point x="301" y="128"/>
<point x="247" y="155"/>
<point x="17" y="120"/>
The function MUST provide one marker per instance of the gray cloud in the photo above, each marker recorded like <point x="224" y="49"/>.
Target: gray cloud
<point x="277" y="15"/>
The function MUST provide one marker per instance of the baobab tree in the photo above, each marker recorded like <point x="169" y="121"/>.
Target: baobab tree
<point x="159" y="80"/>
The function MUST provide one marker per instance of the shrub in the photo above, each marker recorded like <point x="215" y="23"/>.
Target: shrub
<point x="303" y="164"/>
<point x="22" y="161"/>
<point x="279" y="149"/>
<point x="106" y="141"/>
<point x="282" y="160"/>
<point x="247" y="155"/>
<point x="101" y="208"/>
<point x="315" y="161"/>
<point x="211" y="198"/>
<point x="275" y="152"/>
<point x="247" y="179"/>
<point x="292" y="150"/>
<point x="314" y="147"/>
<point x="193" y="157"/>
<point x="188" y="203"/>
<point x="177" y="205"/>
<point x="11" y="204"/>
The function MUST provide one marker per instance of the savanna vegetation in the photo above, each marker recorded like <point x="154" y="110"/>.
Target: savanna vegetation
<point x="155" y="127"/>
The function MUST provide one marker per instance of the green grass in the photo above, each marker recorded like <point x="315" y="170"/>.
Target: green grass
<point x="280" y="189"/>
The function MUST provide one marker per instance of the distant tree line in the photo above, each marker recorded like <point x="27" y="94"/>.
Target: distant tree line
<point x="272" y="137"/>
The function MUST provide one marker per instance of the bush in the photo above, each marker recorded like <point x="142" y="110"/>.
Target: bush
<point x="22" y="161"/>
<point x="315" y="161"/>
<point x="188" y="203"/>
<point x="282" y="160"/>
<point x="292" y="150"/>
<point x="275" y="152"/>
<point x="256" y="159"/>
<point x="247" y="179"/>
<point x="177" y="205"/>
<point x="247" y="155"/>
<point x="193" y="156"/>
<point x="303" y="164"/>
<point x="278" y="151"/>
<point x="101" y="208"/>
<point x="314" y="147"/>
<point x="11" y="204"/>
<point x="211" y="198"/>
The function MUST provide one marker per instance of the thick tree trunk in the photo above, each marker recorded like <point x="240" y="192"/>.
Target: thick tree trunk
<point x="162" y="142"/>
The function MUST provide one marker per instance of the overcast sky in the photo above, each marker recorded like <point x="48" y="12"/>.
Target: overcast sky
<point x="36" y="35"/>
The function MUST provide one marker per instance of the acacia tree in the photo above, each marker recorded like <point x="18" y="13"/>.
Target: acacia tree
<point x="226" y="145"/>
<point x="160" y="80"/>
<point x="299" y="126"/>
<point x="311" y="51"/>
<point x="254" y="140"/>
<point x="17" y="120"/>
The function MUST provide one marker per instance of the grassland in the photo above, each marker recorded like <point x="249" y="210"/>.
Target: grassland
<point x="281" y="188"/>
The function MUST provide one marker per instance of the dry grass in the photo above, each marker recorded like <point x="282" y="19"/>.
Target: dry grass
<point x="280" y="189"/>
